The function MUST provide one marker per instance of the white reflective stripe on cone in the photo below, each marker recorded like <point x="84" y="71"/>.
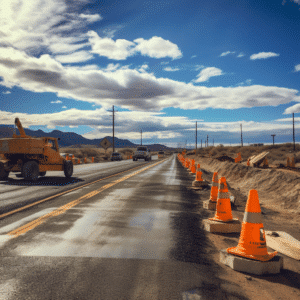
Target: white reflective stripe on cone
<point x="223" y="195"/>
<point x="250" y="217"/>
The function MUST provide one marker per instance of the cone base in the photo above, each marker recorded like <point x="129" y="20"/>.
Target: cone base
<point x="211" y="205"/>
<point x="250" y="266"/>
<point x="223" y="221"/>
<point x="263" y="258"/>
<point x="199" y="183"/>
<point x="219" y="227"/>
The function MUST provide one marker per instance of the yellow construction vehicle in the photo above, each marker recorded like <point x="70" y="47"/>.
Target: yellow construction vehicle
<point x="30" y="156"/>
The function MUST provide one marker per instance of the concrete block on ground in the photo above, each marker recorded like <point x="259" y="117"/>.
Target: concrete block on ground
<point x="211" y="205"/>
<point x="250" y="266"/>
<point x="199" y="183"/>
<point x="222" y="227"/>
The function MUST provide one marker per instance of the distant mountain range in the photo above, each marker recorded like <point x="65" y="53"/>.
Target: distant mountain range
<point x="71" y="139"/>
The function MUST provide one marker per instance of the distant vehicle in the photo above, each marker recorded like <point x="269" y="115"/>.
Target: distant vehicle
<point x="161" y="154"/>
<point x="30" y="156"/>
<point x="115" y="156"/>
<point x="142" y="152"/>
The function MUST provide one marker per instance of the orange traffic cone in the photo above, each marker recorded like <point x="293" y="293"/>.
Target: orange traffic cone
<point x="198" y="166"/>
<point x="92" y="159"/>
<point x="214" y="188"/>
<point x="85" y="160"/>
<point x="248" y="162"/>
<point x="238" y="158"/>
<point x="78" y="161"/>
<point x="193" y="168"/>
<point x="288" y="162"/>
<point x="252" y="243"/>
<point x="223" y="209"/>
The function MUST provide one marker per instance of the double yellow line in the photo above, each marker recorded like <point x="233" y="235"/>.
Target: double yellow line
<point x="31" y="225"/>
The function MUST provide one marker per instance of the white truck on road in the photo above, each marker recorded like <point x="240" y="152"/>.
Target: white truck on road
<point x="142" y="152"/>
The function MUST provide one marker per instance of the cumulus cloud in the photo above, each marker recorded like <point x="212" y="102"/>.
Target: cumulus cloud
<point x="170" y="69"/>
<point x="117" y="50"/>
<point x="130" y="88"/>
<point x="157" y="47"/>
<point x="263" y="55"/>
<point x="241" y="54"/>
<point x="297" y="67"/>
<point x="206" y="73"/>
<point x="6" y="92"/>
<point x="57" y="101"/>
<point x="293" y="109"/>
<point x="120" y="49"/>
<point x="227" y="52"/>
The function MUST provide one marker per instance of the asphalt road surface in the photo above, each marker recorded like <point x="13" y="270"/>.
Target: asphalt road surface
<point x="132" y="234"/>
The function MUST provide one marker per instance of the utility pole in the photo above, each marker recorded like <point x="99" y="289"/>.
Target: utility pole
<point x="273" y="135"/>
<point x="141" y="137"/>
<point x="294" y="131"/>
<point x="113" y="111"/>
<point x="196" y="136"/>
<point x="241" y="135"/>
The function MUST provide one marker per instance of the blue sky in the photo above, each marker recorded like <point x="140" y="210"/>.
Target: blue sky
<point x="163" y="64"/>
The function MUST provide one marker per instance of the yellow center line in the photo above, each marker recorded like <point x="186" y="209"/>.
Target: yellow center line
<point x="31" y="225"/>
<point x="60" y="194"/>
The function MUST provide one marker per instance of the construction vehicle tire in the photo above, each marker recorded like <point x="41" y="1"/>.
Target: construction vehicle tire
<point x="42" y="173"/>
<point x="31" y="170"/>
<point x="3" y="174"/>
<point x="68" y="168"/>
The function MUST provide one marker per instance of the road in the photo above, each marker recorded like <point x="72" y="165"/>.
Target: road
<point x="133" y="234"/>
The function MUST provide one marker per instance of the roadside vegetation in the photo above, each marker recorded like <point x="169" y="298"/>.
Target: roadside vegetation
<point x="277" y="154"/>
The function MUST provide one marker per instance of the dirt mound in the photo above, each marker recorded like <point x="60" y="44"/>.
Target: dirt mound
<point x="225" y="158"/>
<point x="277" y="189"/>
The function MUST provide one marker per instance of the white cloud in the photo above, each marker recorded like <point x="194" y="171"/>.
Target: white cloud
<point x="297" y="67"/>
<point x="130" y="88"/>
<point x="170" y="69"/>
<point x="263" y="55"/>
<point x="117" y="50"/>
<point x="143" y="68"/>
<point x="6" y="92"/>
<point x="57" y="101"/>
<point x="38" y="25"/>
<point x="193" y="56"/>
<point x="76" y="57"/>
<point x="91" y="18"/>
<point x="241" y="54"/>
<point x="156" y="126"/>
<point x="64" y="107"/>
<point x="293" y="109"/>
<point x="206" y="73"/>
<point x="297" y="1"/>
<point x="157" y="47"/>
<point x="120" y="49"/>
<point x="227" y="52"/>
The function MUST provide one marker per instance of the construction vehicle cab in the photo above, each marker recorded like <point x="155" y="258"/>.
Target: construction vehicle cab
<point x="30" y="156"/>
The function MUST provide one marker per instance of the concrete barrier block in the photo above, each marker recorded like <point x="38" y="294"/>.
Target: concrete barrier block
<point x="222" y="227"/>
<point x="209" y="205"/>
<point x="250" y="266"/>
